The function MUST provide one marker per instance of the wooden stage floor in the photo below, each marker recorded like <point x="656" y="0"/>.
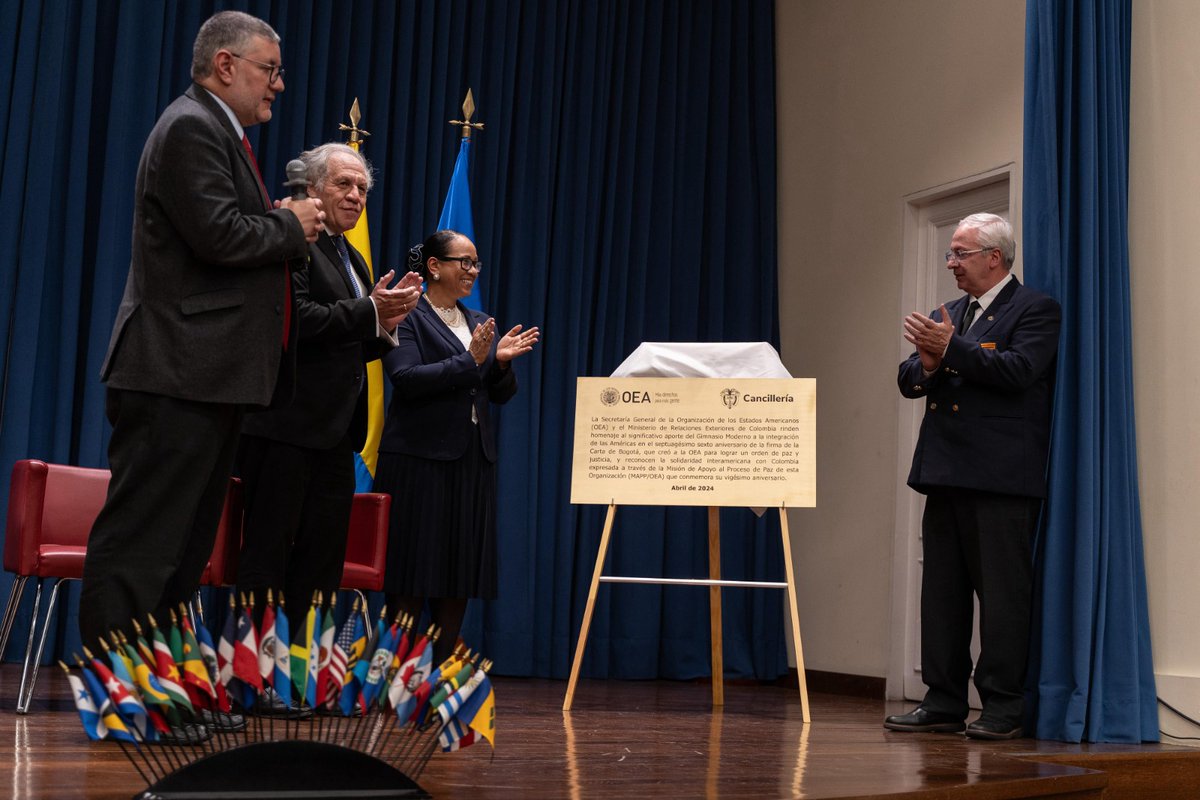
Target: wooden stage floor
<point x="658" y="738"/>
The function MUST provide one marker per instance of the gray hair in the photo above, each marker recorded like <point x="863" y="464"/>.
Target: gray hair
<point x="994" y="233"/>
<point x="226" y="30"/>
<point x="316" y="162"/>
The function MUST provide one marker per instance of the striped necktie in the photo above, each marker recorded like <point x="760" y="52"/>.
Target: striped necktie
<point x="339" y="242"/>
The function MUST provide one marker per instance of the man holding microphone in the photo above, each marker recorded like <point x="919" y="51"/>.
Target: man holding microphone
<point x="205" y="330"/>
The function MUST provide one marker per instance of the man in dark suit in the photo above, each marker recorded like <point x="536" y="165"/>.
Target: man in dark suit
<point x="204" y="330"/>
<point x="984" y="365"/>
<point x="298" y="462"/>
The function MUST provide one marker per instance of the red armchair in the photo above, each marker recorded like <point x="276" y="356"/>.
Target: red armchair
<point x="51" y="509"/>
<point x="366" y="546"/>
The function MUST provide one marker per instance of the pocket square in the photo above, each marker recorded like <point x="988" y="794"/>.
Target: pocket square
<point x="988" y="345"/>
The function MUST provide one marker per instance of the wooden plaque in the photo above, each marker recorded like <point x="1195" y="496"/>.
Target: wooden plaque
<point x="695" y="442"/>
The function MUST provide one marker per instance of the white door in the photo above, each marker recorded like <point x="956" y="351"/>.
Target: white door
<point x="931" y="217"/>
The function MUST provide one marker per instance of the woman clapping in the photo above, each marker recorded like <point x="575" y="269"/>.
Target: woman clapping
<point x="437" y="457"/>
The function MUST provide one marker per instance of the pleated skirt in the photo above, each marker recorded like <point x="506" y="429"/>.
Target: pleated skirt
<point x="442" y="538"/>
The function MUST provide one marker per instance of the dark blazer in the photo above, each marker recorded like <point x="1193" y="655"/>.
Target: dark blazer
<point x="207" y="268"/>
<point x="435" y="383"/>
<point x="988" y="406"/>
<point x="338" y="336"/>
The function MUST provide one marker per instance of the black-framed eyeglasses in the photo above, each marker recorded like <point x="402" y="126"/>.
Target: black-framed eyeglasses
<point x="274" y="71"/>
<point x="959" y="255"/>
<point x="465" y="263"/>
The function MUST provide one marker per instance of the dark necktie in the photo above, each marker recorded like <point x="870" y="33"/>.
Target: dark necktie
<point x="287" y="273"/>
<point x="339" y="242"/>
<point x="972" y="310"/>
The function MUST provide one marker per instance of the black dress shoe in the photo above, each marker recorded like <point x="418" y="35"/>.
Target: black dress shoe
<point x="189" y="733"/>
<point x="271" y="704"/>
<point x="921" y="721"/>
<point x="223" y="721"/>
<point x="984" y="728"/>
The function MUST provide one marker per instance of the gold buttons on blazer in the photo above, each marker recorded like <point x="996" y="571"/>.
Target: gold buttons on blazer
<point x="933" y="406"/>
<point x="954" y="407"/>
<point x="917" y="388"/>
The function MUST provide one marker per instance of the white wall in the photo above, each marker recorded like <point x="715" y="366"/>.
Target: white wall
<point x="1164" y="217"/>
<point x="878" y="99"/>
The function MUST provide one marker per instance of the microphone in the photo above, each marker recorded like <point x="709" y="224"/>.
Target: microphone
<point x="297" y="175"/>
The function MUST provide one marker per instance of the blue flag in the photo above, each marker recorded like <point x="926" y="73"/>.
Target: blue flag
<point x="378" y="667"/>
<point x="89" y="714"/>
<point x="357" y="677"/>
<point x="456" y="211"/>
<point x="107" y="711"/>
<point x="281" y="677"/>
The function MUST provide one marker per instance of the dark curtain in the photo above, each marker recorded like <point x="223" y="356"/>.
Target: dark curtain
<point x="624" y="191"/>
<point x="1091" y="673"/>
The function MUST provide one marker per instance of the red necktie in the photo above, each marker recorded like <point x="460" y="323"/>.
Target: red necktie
<point x="287" y="274"/>
<point x="254" y="163"/>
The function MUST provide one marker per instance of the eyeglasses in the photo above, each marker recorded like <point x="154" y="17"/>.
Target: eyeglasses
<point x="274" y="71"/>
<point x="465" y="263"/>
<point x="959" y="255"/>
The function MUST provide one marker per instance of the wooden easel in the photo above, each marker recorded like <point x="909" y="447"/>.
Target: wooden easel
<point x="714" y="583"/>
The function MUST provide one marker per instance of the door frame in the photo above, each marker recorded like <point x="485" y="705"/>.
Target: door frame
<point x="925" y="211"/>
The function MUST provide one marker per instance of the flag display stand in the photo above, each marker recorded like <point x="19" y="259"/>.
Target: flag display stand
<point x="285" y="769"/>
<point x="362" y="727"/>
<point x="714" y="582"/>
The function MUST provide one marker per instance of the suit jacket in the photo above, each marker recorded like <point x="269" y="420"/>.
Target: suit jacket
<point x="435" y="383"/>
<point x="338" y="336"/>
<point x="202" y="314"/>
<point x="988" y="406"/>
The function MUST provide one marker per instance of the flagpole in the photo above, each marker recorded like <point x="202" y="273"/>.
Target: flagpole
<point x="359" y="237"/>
<point x="468" y="109"/>
<point x="357" y="134"/>
<point x="456" y="212"/>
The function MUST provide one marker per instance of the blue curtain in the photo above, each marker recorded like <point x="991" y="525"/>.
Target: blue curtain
<point x="624" y="191"/>
<point x="1091" y="674"/>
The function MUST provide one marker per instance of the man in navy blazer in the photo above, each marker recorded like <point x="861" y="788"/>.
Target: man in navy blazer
<point x="298" y="461"/>
<point x="203" y="331"/>
<point x="984" y="366"/>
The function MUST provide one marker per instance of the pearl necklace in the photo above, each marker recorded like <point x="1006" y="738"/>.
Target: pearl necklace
<point x="451" y="316"/>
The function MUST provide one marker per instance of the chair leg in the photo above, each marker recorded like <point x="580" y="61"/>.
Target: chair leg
<point x="366" y="612"/>
<point x="41" y="647"/>
<point x="197" y="610"/>
<point x="22" y="703"/>
<point x="10" y="610"/>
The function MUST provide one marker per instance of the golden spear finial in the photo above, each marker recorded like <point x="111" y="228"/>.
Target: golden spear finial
<point x="468" y="109"/>
<point x="357" y="134"/>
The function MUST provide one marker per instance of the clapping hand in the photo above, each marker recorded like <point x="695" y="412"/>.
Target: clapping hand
<point x="930" y="337"/>
<point x="481" y="340"/>
<point x="394" y="304"/>
<point x="515" y="343"/>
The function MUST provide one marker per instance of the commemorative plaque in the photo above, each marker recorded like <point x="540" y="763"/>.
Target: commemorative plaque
<point x="695" y="442"/>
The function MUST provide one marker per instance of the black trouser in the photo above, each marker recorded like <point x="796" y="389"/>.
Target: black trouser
<point x="297" y="514"/>
<point x="170" y="462"/>
<point x="976" y="543"/>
